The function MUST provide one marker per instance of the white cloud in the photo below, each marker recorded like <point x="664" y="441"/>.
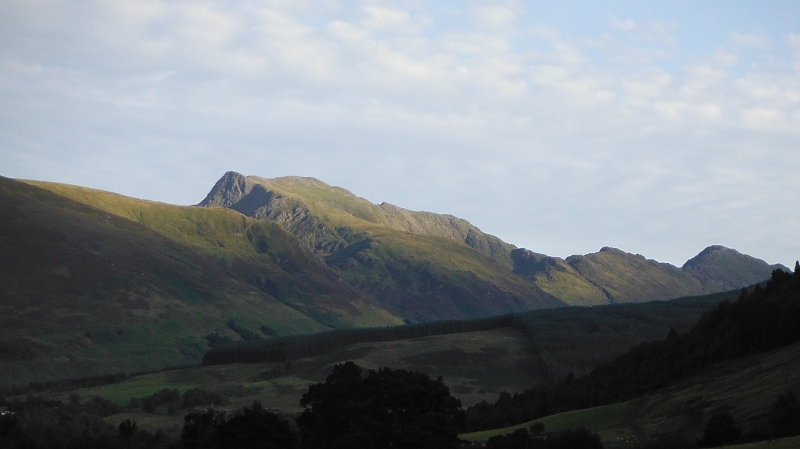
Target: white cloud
<point x="754" y="41"/>
<point x="494" y="17"/>
<point x="624" y="25"/>
<point x="387" y="19"/>
<point x="763" y="118"/>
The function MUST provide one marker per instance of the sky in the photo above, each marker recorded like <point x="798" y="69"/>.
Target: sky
<point x="561" y="127"/>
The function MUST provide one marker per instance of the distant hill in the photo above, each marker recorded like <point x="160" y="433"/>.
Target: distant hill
<point x="728" y="268"/>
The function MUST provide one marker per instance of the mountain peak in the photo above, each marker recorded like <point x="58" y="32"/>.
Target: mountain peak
<point x="713" y="252"/>
<point x="729" y="267"/>
<point x="230" y="188"/>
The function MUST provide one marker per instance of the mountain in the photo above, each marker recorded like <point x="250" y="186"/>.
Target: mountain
<point x="127" y="285"/>
<point x="729" y="268"/>
<point x="630" y="278"/>
<point x="614" y="276"/>
<point x="303" y="205"/>
<point x="419" y="265"/>
<point x="381" y="249"/>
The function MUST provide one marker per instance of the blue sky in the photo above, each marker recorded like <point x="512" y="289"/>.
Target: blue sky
<point x="561" y="127"/>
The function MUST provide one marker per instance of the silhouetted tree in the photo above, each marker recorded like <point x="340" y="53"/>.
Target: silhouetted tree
<point x="197" y="427"/>
<point x="387" y="408"/>
<point x="127" y="428"/>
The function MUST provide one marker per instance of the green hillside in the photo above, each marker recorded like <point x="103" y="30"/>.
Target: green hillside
<point x="133" y="285"/>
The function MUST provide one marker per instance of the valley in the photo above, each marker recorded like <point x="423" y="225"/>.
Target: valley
<point x="118" y="300"/>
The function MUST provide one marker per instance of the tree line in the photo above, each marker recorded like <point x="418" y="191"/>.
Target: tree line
<point x="296" y="347"/>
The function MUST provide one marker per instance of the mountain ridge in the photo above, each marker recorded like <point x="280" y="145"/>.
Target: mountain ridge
<point x="329" y="219"/>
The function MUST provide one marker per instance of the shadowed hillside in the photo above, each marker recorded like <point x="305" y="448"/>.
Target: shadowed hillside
<point x="766" y="319"/>
<point x="86" y="291"/>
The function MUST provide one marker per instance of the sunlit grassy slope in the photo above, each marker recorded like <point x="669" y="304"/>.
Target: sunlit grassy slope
<point x="130" y="285"/>
<point x="339" y="206"/>
<point x="632" y="278"/>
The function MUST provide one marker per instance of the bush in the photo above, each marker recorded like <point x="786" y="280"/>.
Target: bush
<point x="75" y="398"/>
<point x="720" y="430"/>
<point x="101" y="407"/>
<point x="198" y="396"/>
